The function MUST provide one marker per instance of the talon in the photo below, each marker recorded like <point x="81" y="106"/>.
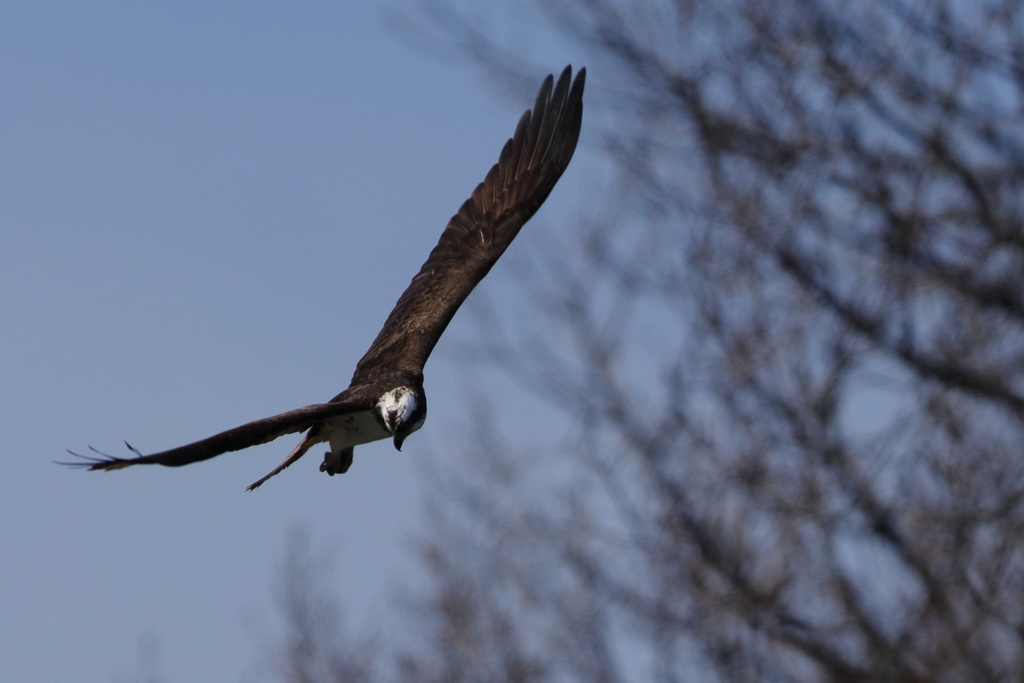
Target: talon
<point x="337" y="462"/>
<point x="346" y="462"/>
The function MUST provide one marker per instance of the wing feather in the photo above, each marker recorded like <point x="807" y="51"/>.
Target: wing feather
<point x="249" y="434"/>
<point x="530" y="164"/>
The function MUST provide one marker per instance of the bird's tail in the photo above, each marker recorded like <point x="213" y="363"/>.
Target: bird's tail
<point x="296" y="453"/>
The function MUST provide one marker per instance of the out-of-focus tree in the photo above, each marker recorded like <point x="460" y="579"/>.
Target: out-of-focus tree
<point x="790" y="342"/>
<point x="315" y="647"/>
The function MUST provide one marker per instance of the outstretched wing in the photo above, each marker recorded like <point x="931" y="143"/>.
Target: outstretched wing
<point x="249" y="434"/>
<point x="528" y="168"/>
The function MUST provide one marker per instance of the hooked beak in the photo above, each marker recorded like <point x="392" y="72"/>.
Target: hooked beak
<point x="391" y="422"/>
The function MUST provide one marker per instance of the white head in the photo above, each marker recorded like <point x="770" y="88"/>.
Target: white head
<point x="403" y="411"/>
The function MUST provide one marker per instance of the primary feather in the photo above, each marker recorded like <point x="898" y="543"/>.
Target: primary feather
<point x="530" y="164"/>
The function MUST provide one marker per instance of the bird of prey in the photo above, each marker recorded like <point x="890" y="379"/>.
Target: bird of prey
<point x="385" y="398"/>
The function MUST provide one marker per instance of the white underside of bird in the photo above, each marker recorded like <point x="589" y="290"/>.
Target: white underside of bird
<point x="345" y="432"/>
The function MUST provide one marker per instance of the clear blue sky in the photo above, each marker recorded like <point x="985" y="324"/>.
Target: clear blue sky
<point x="207" y="210"/>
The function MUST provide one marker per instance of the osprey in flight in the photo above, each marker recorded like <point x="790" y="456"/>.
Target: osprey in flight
<point x="385" y="398"/>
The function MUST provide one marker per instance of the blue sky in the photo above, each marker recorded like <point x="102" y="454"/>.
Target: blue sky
<point x="207" y="210"/>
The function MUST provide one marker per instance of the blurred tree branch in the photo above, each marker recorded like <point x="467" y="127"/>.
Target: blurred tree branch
<point x="315" y="647"/>
<point x="791" y="344"/>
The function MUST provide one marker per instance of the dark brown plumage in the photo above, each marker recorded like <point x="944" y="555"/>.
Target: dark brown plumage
<point x="530" y="164"/>
<point x="527" y="170"/>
